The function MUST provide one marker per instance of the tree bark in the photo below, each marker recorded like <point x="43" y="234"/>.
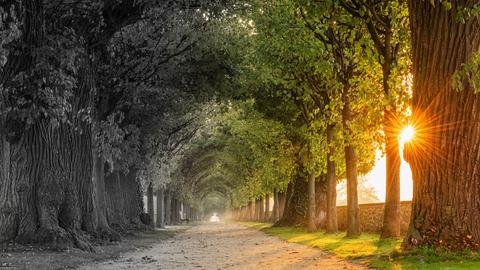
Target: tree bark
<point x="267" y="207"/>
<point x="116" y="217"/>
<point x="173" y="210"/>
<point x="320" y="202"/>
<point x="276" y="207"/>
<point x="46" y="170"/>
<point x="179" y="211"/>
<point x="331" y="222"/>
<point x="103" y="228"/>
<point x="296" y="206"/>
<point x="262" y="209"/>
<point x="445" y="151"/>
<point x="353" y="224"/>
<point x="150" y="209"/>
<point x="251" y="211"/>
<point x="391" y="220"/>
<point x="160" y="208"/>
<point x="311" y="226"/>
<point x="282" y="201"/>
<point x="168" y="208"/>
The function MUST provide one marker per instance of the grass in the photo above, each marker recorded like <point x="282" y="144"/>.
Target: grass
<point x="368" y="249"/>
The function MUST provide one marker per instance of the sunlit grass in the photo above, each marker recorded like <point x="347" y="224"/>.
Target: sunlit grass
<point x="368" y="249"/>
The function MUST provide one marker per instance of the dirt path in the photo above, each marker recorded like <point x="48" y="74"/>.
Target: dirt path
<point x="225" y="246"/>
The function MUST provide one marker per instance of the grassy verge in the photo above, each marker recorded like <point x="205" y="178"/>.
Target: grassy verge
<point x="369" y="250"/>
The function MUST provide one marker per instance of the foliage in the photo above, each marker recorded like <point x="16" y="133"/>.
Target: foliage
<point x="301" y="68"/>
<point x="242" y="155"/>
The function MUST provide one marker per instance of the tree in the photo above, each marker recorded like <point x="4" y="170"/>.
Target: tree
<point x="443" y="154"/>
<point x="62" y="111"/>
<point x="385" y="21"/>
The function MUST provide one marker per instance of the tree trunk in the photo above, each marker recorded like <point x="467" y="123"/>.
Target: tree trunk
<point x="262" y="209"/>
<point x="103" y="228"/>
<point x="296" y="206"/>
<point x="311" y="227"/>
<point x="150" y="209"/>
<point x="251" y="211"/>
<point x="267" y="207"/>
<point x="178" y="211"/>
<point x="282" y="201"/>
<point x="353" y="224"/>
<point x="133" y="197"/>
<point x="173" y="210"/>
<point x="276" y="207"/>
<point x="391" y="220"/>
<point x="8" y="195"/>
<point x="320" y="202"/>
<point x="115" y="202"/>
<point x="46" y="192"/>
<point x="160" y="208"/>
<point x="445" y="151"/>
<point x="331" y="222"/>
<point x="168" y="208"/>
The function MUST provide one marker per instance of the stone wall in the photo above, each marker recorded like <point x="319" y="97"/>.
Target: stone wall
<point x="371" y="216"/>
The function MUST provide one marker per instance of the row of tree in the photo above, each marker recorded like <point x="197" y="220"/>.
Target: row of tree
<point x="230" y="103"/>
<point x="338" y="76"/>
<point x="94" y="94"/>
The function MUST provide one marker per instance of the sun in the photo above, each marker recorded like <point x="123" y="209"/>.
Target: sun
<point x="407" y="134"/>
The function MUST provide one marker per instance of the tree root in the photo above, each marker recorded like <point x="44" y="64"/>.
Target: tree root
<point x="58" y="239"/>
<point x="107" y="234"/>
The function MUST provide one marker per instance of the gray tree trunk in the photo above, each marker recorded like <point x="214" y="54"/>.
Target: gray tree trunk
<point x="168" y="208"/>
<point x="150" y="208"/>
<point x="160" y="208"/>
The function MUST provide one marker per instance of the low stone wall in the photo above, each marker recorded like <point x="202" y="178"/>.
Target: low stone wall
<point x="371" y="216"/>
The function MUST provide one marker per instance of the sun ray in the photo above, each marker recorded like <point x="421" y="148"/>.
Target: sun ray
<point x="407" y="134"/>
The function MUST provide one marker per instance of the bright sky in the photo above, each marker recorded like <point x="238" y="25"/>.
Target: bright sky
<point x="376" y="179"/>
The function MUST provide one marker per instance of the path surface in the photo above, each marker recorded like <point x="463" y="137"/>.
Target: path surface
<point x="225" y="246"/>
